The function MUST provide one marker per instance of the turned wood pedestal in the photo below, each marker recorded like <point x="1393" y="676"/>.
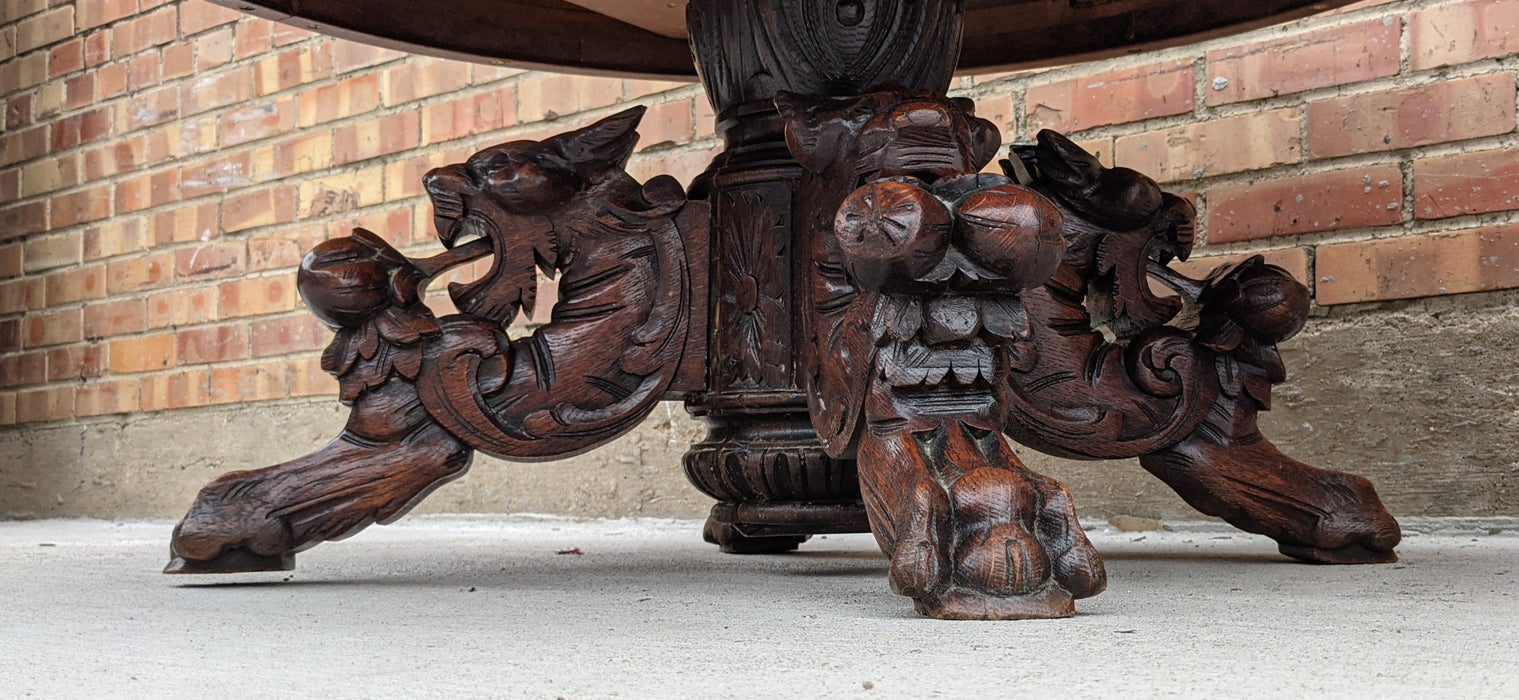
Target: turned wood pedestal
<point x="863" y="298"/>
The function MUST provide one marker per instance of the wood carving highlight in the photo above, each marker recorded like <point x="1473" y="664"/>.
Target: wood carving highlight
<point x="426" y="392"/>
<point x="946" y="306"/>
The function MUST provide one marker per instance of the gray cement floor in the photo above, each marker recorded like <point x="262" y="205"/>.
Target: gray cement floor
<point x="484" y="607"/>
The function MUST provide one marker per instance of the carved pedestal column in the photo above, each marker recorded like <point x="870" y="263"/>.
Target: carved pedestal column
<point x="762" y="459"/>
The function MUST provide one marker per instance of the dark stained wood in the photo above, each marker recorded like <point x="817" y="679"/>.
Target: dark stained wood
<point x="999" y="34"/>
<point x="860" y="315"/>
<point x="957" y="305"/>
<point x="426" y="392"/>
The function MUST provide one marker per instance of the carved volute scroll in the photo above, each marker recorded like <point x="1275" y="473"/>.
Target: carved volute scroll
<point x="427" y="391"/>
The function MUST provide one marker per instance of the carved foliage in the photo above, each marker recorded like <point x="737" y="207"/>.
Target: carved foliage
<point x="427" y="391"/>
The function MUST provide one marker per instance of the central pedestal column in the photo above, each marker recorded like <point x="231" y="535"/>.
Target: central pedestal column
<point x="762" y="459"/>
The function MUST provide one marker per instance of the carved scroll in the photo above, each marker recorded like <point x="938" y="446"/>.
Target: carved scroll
<point x="947" y="305"/>
<point x="426" y="391"/>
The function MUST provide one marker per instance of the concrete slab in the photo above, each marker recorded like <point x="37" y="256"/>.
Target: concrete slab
<point x="484" y="607"/>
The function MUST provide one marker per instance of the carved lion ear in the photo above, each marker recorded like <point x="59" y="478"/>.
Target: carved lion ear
<point x="986" y="141"/>
<point x="609" y="141"/>
<point x="804" y="129"/>
<point x="1061" y="160"/>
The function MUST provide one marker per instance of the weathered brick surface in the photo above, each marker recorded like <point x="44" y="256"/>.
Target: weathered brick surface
<point x="1127" y="95"/>
<point x="1453" y="110"/>
<point x="166" y="164"/>
<point x="1419" y="266"/>
<point x="1339" y="199"/>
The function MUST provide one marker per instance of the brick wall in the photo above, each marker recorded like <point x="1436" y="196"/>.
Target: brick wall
<point x="164" y="166"/>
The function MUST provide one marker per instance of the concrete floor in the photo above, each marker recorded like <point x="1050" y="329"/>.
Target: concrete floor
<point x="484" y="607"/>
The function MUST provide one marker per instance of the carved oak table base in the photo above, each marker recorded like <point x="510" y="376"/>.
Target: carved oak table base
<point x="858" y="312"/>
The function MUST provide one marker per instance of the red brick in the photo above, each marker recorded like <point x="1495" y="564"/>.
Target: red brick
<point x="114" y="237"/>
<point x="142" y="354"/>
<point x="209" y="260"/>
<point x="213" y="49"/>
<point x="200" y="16"/>
<point x="257" y="121"/>
<point x="10" y="260"/>
<point x="205" y="345"/>
<point x="10" y="335"/>
<point x="81" y="207"/>
<point x="227" y="172"/>
<point x="143" y="31"/>
<point x="75" y="285"/>
<point x="25" y="145"/>
<point x="1338" y="56"/>
<point x="113" y="318"/>
<point x="1466" y="183"/>
<point x="76" y="362"/>
<point x="1462" y="32"/>
<point x="339" y="100"/>
<point x="220" y="89"/>
<point x="54" y="328"/>
<point x="288" y="335"/>
<point x="145" y="191"/>
<point x="181" y="307"/>
<point x="51" y="252"/>
<point x="93" y="13"/>
<point x="306" y="378"/>
<point x="111" y="81"/>
<point x="1341" y="199"/>
<point x="178" y="390"/>
<point x="394" y="226"/>
<point x="1115" y="97"/>
<point x="143" y="72"/>
<point x="257" y="296"/>
<point x="289" y="69"/>
<point x="293" y="156"/>
<point x="372" y="138"/>
<point x="1418" y="266"/>
<point x="50" y="404"/>
<point x="17" y="220"/>
<point x="185" y="224"/>
<point x="79" y="91"/>
<point x="178" y="60"/>
<point x="97" y="48"/>
<point x="144" y="272"/>
<point x="665" y="124"/>
<point x="350" y="55"/>
<point x="25" y="369"/>
<point x="18" y="112"/>
<point x="1435" y="113"/>
<point x="65" y="58"/>
<point x="253" y="37"/>
<point x="422" y="77"/>
<point x="260" y="382"/>
<point x="106" y="397"/>
<point x="1227" y="145"/>
<point x="81" y="128"/>
<point x="282" y="247"/>
<point x="47" y="28"/>
<point x="549" y="96"/>
<point x="245" y="210"/>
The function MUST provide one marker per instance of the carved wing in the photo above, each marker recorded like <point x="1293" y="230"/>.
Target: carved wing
<point x="619" y="331"/>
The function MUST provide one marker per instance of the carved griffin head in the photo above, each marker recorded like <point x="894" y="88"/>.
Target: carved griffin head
<point x="529" y="178"/>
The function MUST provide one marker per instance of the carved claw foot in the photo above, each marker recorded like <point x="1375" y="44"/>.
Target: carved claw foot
<point x="1314" y="515"/>
<point x="258" y="520"/>
<point x="971" y="533"/>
